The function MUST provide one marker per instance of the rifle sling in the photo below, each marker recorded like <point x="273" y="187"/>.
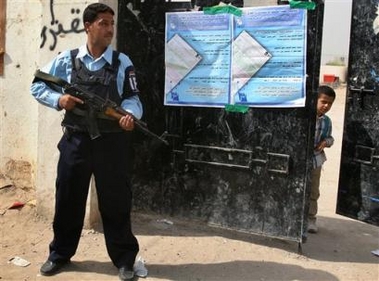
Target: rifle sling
<point x="60" y="82"/>
<point x="46" y="77"/>
<point x="89" y="115"/>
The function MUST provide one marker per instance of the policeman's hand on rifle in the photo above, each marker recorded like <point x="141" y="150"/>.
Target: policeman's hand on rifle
<point x="126" y="122"/>
<point x="68" y="102"/>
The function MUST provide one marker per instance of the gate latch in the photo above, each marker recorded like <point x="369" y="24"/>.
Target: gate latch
<point x="362" y="91"/>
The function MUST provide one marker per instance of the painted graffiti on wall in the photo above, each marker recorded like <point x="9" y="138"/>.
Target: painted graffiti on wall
<point x="56" y="28"/>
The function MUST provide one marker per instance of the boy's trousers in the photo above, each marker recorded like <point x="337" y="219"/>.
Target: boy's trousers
<point x="315" y="193"/>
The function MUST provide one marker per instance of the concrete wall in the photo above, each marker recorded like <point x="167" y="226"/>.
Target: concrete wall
<point x="336" y="33"/>
<point x="18" y="116"/>
<point x="35" y="33"/>
<point x="256" y="3"/>
<point x="336" y="39"/>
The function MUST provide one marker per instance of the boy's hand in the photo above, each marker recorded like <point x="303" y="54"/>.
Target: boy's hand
<point x="321" y="146"/>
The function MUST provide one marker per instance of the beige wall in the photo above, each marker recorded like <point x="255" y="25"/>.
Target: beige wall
<point x="256" y="3"/>
<point x="18" y="118"/>
<point x="29" y="132"/>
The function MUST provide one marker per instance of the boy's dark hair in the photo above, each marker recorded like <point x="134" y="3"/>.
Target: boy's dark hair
<point x="91" y="11"/>
<point x="326" y="90"/>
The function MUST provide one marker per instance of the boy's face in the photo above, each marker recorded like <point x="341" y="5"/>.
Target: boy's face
<point x="324" y="103"/>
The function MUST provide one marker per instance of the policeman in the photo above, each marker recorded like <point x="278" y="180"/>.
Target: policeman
<point x="93" y="144"/>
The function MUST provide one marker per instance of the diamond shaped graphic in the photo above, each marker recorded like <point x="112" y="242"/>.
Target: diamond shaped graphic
<point x="248" y="57"/>
<point x="180" y="59"/>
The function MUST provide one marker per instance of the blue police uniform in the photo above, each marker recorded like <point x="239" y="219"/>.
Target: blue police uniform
<point x="108" y="158"/>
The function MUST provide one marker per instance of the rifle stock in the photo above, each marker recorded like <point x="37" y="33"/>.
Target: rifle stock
<point x="113" y="113"/>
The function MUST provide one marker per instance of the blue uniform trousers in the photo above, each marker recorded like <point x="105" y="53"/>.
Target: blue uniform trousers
<point x="109" y="159"/>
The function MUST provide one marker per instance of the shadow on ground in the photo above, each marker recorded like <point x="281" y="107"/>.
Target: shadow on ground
<point x="343" y="239"/>
<point x="236" y="271"/>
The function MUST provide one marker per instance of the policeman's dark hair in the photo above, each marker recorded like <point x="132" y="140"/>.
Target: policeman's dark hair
<point x="326" y="90"/>
<point x="91" y="11"/>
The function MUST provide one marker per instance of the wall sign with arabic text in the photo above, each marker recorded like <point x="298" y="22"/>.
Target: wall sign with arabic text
<point x="257" y="59"/>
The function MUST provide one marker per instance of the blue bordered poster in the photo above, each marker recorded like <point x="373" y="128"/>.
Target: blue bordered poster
<point x="257" y="59"/>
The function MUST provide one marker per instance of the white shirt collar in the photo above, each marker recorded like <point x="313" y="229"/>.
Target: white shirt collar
<point x="107" y="55"/>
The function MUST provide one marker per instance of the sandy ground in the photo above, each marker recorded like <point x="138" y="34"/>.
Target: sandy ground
<point x="189" y="250"/>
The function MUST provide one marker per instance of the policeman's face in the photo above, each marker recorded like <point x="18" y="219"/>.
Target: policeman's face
<point x="100" y="32"/>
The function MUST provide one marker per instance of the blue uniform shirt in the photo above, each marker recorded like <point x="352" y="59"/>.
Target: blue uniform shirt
<point x="61" y="67"/>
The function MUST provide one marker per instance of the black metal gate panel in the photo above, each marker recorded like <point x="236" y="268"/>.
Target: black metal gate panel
<point x="243" y="171"/>
<point x="358" y="191"/>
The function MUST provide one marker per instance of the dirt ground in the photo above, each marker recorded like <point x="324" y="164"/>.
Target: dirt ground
<point x="189" y="250"/>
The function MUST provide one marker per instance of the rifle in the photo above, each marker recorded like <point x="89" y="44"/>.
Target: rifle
<point x="96" y="103"/>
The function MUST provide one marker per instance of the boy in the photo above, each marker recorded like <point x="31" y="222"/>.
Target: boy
<point x="323" y="138"/>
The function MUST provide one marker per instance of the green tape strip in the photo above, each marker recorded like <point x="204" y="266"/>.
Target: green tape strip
<point x="309" y="5"/>
<point x="229" y="9"/>
<point x="236" y="108"/>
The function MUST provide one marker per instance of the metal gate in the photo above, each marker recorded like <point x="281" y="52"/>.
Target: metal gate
<point x="358" y="191"/>
<point x="243" y="171"/>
